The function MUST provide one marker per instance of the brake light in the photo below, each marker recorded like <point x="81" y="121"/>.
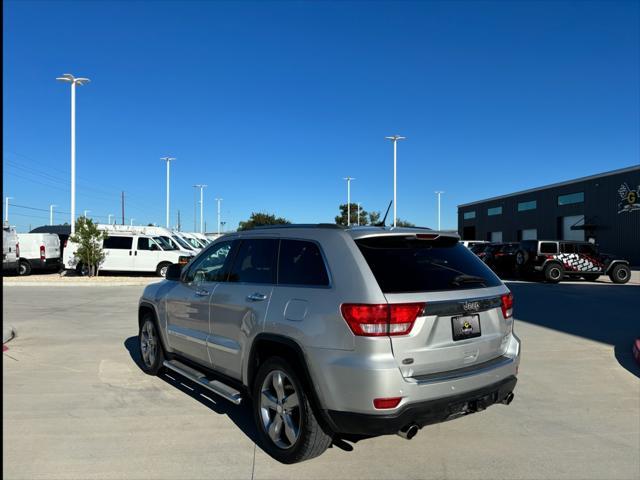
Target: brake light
<point x="507" y="305"/>
<point x="376" y="320"/>
<point x="386" y="402"/>
<point x="42" y="253"/>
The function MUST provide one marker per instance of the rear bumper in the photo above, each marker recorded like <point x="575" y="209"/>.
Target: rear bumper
<point x="423" y="413"/>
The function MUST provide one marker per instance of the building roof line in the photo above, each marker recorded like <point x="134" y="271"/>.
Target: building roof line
<point x="553" y="185"/>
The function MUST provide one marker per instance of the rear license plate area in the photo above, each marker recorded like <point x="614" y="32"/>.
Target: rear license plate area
<point x="465" y="326"/>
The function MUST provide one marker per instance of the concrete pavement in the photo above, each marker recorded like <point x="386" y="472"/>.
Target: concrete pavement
<point x="76" y="405"/>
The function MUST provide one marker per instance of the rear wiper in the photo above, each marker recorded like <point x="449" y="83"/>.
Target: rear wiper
<point x="460" y="279"/>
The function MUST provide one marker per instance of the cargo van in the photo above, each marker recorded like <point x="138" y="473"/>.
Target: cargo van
<point x="130" y="252"/>
<point x="163" y="236"/>
<point x="38" y="251"/>
<point x="10" y="250"/>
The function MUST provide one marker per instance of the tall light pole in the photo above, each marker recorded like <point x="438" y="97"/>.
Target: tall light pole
<point x="85" y="213"/>
<point x="51" y="214"/>
<point x="219" y="200"/>
<point x="67" y="77"/>
<point x="438" y="192"/>
<point x="132" y="219"/>
<point x="358" y="213"/>
<point x="201" y="187"/>
<point x="6" y="209"/>
<point x="168" y="160"/>
<point x="395" y="139"/>
<point x="109" y="221"/>
<point x="348" y="179"/>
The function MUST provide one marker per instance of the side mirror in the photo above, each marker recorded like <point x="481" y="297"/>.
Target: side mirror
<point x="174" y="271"/>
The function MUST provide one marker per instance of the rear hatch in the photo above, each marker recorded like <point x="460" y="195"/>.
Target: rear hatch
<point x="461" y="322"/>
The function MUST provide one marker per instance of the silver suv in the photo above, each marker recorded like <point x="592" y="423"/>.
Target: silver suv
<point x="333" y="332"/>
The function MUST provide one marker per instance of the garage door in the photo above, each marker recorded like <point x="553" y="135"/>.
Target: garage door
<point x="568" y="233"/>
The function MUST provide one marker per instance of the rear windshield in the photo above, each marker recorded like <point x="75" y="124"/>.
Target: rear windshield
<point x="406" y="264"/>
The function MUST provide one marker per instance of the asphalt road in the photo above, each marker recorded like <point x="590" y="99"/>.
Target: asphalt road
<point x="76" y="405"/>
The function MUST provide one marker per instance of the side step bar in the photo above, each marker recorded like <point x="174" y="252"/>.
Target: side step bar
<point x="216" y="386"/>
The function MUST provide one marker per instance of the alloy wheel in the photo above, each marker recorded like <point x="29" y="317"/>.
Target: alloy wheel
<point x="148" y="343"/>
<point x="280" y="409"/>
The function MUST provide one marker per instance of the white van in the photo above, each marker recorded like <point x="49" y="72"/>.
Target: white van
<point x="130" y="252"/>
<point x="38" y="251"/>
<point x="165" y="237"/>
<point x="192" y="240"/>
<point x="10" y="250"/>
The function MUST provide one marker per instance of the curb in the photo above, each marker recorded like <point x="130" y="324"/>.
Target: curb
<point x="8" y="332"/>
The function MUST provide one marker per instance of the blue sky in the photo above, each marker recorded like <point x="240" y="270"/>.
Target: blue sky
<point x="272" y="103"/>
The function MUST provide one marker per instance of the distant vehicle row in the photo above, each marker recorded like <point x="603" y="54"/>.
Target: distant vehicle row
<point x="554" y="260"/>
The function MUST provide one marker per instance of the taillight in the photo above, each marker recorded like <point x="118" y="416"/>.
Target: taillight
<point x="386" y="402"/>
<point x="378" y="320"/>
<point x="507" y="305"/>
<point x="17" y="249"/>
<point x="42" y="253"/>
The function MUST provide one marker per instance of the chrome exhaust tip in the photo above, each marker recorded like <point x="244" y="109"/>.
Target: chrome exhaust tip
<point x="508" y="399"/>
<point x="409" y="432"/>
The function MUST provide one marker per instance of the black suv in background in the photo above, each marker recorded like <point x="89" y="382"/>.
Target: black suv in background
<point x="559" y="259"/>
<point x="499" y="257"/>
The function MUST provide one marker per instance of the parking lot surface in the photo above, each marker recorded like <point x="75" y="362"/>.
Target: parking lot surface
<point x="76" y="405"/>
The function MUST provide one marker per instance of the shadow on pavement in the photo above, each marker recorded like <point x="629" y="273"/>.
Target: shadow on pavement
<point x="604" y="313"/>
<point x="241" y="414"/>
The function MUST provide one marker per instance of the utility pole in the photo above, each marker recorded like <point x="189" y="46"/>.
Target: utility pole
<point x="348" y="179"/>
<point x="122" y="208"/>
<point x="67" y="77"/>
<point x="219" y="200"/>
<point x="6" y="209"/>
<point x="168" y="160"/>
<point x="395" y="139"/>
<point x="201" y="187"/>
<point x="178" y="220"/>
<point x="438" y="192"/>
<point x="51" y="214"/>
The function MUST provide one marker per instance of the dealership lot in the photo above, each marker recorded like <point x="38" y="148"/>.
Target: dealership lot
<point x="76" y="405"/>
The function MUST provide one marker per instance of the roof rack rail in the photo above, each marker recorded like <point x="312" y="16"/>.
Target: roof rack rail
<point x="300" y="225"/>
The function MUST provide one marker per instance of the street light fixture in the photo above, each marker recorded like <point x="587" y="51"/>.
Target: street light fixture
<point x="67" y="77"/>
<point x="395" y="139"/>
<point x="168" y="160"/>
<point x="348" y="179"/>
<point x="438" y="192"/>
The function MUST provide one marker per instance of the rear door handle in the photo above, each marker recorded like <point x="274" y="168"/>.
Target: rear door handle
<point x="257" y="297"/>
<point x="202" y="293"/>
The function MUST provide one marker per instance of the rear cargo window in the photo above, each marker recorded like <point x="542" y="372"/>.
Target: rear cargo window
<point x="118" y="243"/>
<point x="405" y="264"/>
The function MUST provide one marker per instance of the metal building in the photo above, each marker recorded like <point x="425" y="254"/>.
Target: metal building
<point x="603" y="208"/>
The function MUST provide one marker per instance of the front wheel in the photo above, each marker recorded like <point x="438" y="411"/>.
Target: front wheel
<point x="151" y="352"/>
<point x="620" y="273"/>
<point x="161" y="271"/>
<point x="287" y="426"/>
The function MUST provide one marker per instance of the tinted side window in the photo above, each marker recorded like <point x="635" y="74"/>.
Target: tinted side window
<point x="301" y="263"/>
<point x="568" y="247"/>
<point x="255" y="262"/>
<point x="143" y="243"/>
<point x="402" y="264"/>
<point x="587" y="249"/>
<point x="210" y="266"/>
<point x="118" y="243"/>
<point x="548" y="247"/>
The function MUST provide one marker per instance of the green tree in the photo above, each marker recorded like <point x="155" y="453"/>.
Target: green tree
<point x="374" y="218"/>
<point x="88" y="240"/>
<point x="258" y="219"/>
<point x="403" y="223"/>
<point x="342" y="218"/>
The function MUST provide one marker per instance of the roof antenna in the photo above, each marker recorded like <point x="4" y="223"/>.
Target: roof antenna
<point x="384" y="220"/>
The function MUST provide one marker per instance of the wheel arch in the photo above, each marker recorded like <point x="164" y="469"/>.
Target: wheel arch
<point x="614" y="263"/>
<point x="148" y="307"/>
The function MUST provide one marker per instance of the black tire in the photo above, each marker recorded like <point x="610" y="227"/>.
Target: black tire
<point x="553" y="272"/>
<point x="591" y="277"/>
<point x="311" y="439"/>
<point x="620" y="273"/>
<point x="24" y="268"/>
<point x="161" y="271"/>
<point x="522" y="257"/>
<point x="151" y="349"/>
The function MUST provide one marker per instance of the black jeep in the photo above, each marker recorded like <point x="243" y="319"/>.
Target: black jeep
<point x="559" y="259"/>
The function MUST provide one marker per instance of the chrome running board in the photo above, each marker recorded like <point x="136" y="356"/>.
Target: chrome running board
<point x="216" y="386"/>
